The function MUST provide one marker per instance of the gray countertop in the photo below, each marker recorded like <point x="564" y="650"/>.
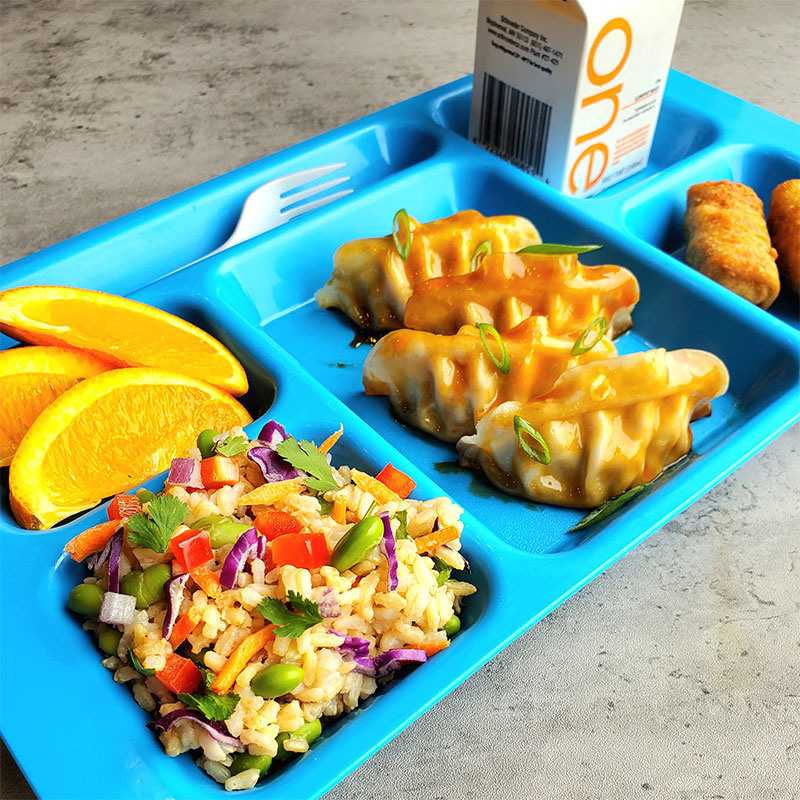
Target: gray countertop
<point x="676" y="674"/>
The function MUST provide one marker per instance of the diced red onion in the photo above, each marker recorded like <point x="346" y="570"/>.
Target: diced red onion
<point x="273" y="466"/>
<point x="329" y="604"/>
<point x="185" y="472"/>
<point x="117" y="609"/>
<point x="174" y="592"/>
<point x="98" y="559"/>
<point x="273" y="433"/>
<point x="214" y="729"/>
<point x="246" y="546"/>
<point x="389" y="550"/>
<point x="394" y="659"/>
<point x="113" y="562"/>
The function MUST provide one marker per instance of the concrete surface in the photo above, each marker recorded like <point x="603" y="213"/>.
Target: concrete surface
<point x="676" y="673"/>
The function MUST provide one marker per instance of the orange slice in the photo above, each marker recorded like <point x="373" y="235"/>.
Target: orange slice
<point x="30" y="379"/>
<point x="122" y="331"/>
<point x="107" y="434"/>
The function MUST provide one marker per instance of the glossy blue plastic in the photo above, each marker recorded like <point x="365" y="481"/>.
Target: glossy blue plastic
<point x="258" y="299"/>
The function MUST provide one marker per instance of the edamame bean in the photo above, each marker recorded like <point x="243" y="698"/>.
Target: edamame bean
<point x="147" y="585"/>
<point x="310" y="732"/>
<point x="357" y="543"/>
<point x="145" y="496"/>
<point x="243" y="761"/>
<point x="85" y="599"/>
<point x="277" y="680"/>
<point x="452" y="626"/>
<point x="221" y="530"/>
<point x="108" y="640"/>
<point x="205" y="442"/>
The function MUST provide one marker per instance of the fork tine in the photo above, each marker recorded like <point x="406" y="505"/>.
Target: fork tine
<point x="288" y="182"/>
<point x="322" y="201"/>
<point x="311" y="191"/>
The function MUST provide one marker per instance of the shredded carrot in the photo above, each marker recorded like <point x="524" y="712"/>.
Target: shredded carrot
<point x="184" y="626"/>
<point x="339" y="513"/>
<point x="207" y="581"/>
<point x="331" y="440"/>
<point x="430" y="541"/>
<point x="92" y="540"/>
<point x="270" y="493"/>
<point x="238" y="659"/>
<point x="430" y="648"/>
<point x="383" y="494"/>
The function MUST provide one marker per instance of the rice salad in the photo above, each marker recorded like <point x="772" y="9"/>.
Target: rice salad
<point x="264" y="592"/>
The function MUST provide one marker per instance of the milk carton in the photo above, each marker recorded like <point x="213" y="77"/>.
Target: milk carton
<point x="570" y="90"/>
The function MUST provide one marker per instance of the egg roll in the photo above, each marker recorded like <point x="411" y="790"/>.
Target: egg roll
<point x="727" y="240"/>
<point x="784" y="228"/>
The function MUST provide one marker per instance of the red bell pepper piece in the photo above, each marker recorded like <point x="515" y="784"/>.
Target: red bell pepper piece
<point x="124" y="506"/>
<point x="276" y="523"/>
<point x="397" y="481"/>
<point x="302" y="550"/>
<point x="191" y="549"/>
<point x="219" y="471"/>
<point x="179" y="674"/>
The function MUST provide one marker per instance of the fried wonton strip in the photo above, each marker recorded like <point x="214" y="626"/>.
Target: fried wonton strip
<point x="270" y="493"/>
<point x="383" y="494"/>
<point x="727" y="240"/>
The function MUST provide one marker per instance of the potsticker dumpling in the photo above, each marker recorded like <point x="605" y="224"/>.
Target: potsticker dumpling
<point x="444" y="384"/>
<point x="371" y="283"/>
<point x="507" y="288"/>
<point x="609" y="425"/>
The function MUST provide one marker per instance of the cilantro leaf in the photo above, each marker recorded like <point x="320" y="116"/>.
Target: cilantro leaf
<point x="137" y="665"/>
<point x="304" y="614"/>
<point x="215" y="707"/>
<point x="232" y="445"/>
<point x="444" y="570"/>
<point x="305" y="456"/>
<point x="402" y="530"/>
<point x="154" y="529"/>
<point x="208" y="676"/>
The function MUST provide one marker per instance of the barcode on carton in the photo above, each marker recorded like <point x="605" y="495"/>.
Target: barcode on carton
<point x="514" y="125"/>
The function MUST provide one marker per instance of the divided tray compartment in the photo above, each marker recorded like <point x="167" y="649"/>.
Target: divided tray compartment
<point x="258" y="299"/>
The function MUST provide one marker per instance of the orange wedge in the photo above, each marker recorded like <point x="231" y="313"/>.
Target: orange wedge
<point x="122" y="331"/>
<point x="30" y="379"/>
<point x="107" y="434"/>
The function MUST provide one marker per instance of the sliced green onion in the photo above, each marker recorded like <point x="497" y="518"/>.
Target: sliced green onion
<point x="483" y="328"/>
<point x="609" y="507"/>
<point x="578" y="349"/>
<point x="400" y="224"/>
<point x="559" y="249"/>
<point x="481" y="251"/>
<point x="520" y="427"/>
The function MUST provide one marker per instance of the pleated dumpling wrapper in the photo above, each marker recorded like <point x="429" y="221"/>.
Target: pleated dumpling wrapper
<point x="507" y="288"/>
<point x="371" y="282"/>
<point x="444" y="384"/>
<point x="608" y="425"/>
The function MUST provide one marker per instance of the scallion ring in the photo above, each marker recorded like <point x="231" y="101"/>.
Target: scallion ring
<point x="481" y="251"/>
<point x="520" y="427"/>
<point x="578" y="349"/>
<point x="401" y="225"/>
<point x="483" y="329"/>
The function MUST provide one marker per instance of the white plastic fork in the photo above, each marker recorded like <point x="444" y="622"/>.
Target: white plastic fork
<point x="271" y="205"/>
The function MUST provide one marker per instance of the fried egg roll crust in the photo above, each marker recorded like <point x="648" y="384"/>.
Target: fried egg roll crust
<point x="727" y="240"/>
<point x="784" y="228"/>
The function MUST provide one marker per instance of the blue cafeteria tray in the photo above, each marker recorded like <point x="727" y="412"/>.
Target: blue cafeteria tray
<point x="257" y="298"/>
